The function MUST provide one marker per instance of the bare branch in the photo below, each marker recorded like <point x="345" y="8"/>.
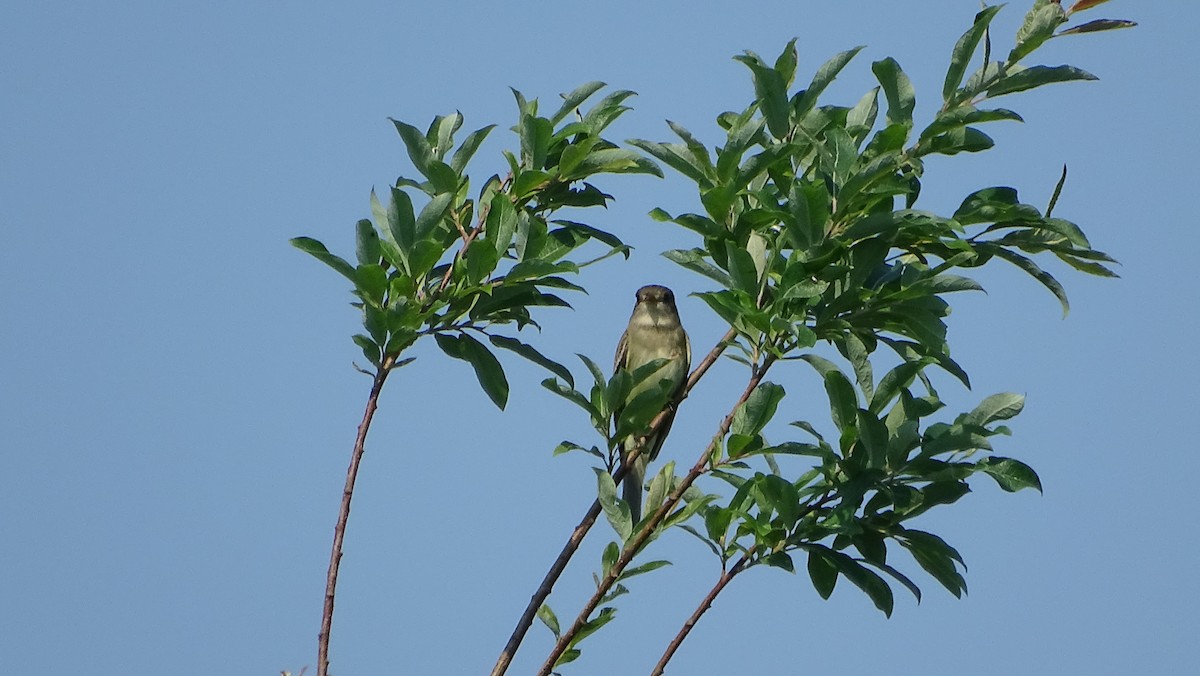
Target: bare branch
<point x="339" y="530"/>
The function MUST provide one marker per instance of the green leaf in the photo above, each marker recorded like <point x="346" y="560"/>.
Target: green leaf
<point x="990" y="205"/>
<point x="614" y="161"/>
<point x="535" y="133"/>
<point x="612" y="551"/>
<point x="1037" y="76"/>
<point x="528" y="352"/>
<point x="770" y="92"/>
<point x="660" y="486"/>
<point x="401" y="224"/>
<point x="487" y="368"/>
<point x="1037" y="273"/>
<point x="615" y="509"/>
<point x="901" y="578"/>
<point x="467" y="150"/>
<point x="570" y="394"/>
<point x="573" y="100"/>
<point x="366" y="244"/>
<point x="781" y="560"/>
<point x="964" y="49"/>
<point x="432" y="214"/>
<point x="997" y="407"/>
<point x="936" y="558"/>
<point x="549" y="619"/>
<point x="821" y="80"/>
<point x="418" y="146"/>
<point x="873" y="437"/>
<point x="696" y="151"/>
<point x="675" y="156"/>
<point x="441" y="133"/>
<point x="568" y="656"/>
<point x="752" y="416"/>
<point x="696" y="261"/>
<point x="1039" y="25"/>
<point x="824" y="564"/>
<point x="963" y="115"/>
<point x="317" y="250"/>
<point x="1097" y="26"/>
<point x="501" y="223"/>
<point x="644" y="568"/>
<point x="593" y="625"/>
<point x="876" y="587"/>
<point x="742" y="269"/>
<point x="898" y="90"/>
<point x="893" y="383"/>
<point x="955" y="141"/>
<point x="1012" y="475"/>
<point x="861" y="117"/>
<point x="370" y="348"/>
<point x="855" y="351"/>
<point x="821" y="569"/>
<point x="372" y="283"/>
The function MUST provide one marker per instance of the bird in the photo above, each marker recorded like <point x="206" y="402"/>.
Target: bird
<point x="654" y="332"/>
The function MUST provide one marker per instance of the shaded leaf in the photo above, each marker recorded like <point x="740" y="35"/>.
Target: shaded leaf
<point x="1001" y="406"/>
<point x="317" y="250"/>
<point x="752" y="416"/>
<point x="898" y="90"/>
<point x="487" y="368"/>
<point x="964" y="49"/>
<point x="530" y="353"/>
<point x="1012" y="475"/>
<point x="1097" y="26"/>
<point x="1037" y="76"/>
<point x="615" y="509"/>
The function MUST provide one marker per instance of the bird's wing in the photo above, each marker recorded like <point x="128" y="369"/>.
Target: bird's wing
<point x="622" y="352"/>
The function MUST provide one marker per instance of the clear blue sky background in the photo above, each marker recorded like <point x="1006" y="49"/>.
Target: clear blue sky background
<point x="177" y="402"/>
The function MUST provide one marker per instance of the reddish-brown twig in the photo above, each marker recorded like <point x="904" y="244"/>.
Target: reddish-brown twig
<point x="726" y="577"/>
<point x="339" y="531"/>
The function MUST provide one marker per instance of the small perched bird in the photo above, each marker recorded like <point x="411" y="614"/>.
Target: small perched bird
<point x="654" y="332"/>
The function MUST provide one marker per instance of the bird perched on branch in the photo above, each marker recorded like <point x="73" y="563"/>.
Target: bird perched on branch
<point x="654" y="332"/>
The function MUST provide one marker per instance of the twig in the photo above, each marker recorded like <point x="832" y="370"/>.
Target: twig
<point x="726" y="577"/>
<point x="635" y="543"/>
<point x="339" y="531"/>
<point x="585" y="524"/>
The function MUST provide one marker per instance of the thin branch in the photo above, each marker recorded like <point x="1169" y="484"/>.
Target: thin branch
<point x="339" y="530"/>
<point x="543" y="591"/>
<point x="467" y="239"/>
<point x="635" y="543"/>
<point x="726" y="577"/>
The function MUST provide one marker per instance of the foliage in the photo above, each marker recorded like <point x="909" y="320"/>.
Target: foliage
<point x="812" y="234"/>
<point x="814" y="243"/>
<point x="462" y="265"/>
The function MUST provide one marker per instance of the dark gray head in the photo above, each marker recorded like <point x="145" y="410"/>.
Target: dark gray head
<point x="653" y="293"/>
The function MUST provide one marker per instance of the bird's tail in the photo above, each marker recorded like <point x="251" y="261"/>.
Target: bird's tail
<point x="631" y="488"/>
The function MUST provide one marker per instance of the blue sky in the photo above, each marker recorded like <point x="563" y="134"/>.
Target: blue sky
<point x="177" y="402"/>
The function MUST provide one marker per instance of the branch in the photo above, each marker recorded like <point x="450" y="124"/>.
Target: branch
<point x="726" y="577"/>
<point x="339" y="530"/>
<point x="635" y="543"/>
<point x="577" y="535"/>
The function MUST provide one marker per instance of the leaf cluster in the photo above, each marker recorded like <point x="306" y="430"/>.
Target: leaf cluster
<point x="463" y="263"/>
<point x="811" y="232"/>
